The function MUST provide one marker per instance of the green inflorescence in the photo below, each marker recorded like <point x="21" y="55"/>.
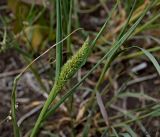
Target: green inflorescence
<point x="72" y="65"/>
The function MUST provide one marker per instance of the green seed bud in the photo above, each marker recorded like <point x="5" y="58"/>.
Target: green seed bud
<point x="72" y="65"/>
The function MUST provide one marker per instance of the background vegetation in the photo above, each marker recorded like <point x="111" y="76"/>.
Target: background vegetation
<point x="79" y="68"/>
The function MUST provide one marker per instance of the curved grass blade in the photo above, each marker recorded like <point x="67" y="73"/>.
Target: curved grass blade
<point x="139" y="53"/>
<point x="151" y="57"/>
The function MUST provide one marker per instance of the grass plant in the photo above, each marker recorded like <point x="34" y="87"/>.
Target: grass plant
<point x="124" y="24"/>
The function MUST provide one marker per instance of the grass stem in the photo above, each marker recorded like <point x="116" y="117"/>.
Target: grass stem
<point x="58" y="38"/>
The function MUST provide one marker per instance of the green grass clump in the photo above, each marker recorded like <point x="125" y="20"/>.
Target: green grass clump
<point x="69" y="69"/>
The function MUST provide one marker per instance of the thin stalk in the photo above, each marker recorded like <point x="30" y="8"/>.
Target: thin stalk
<point x="65" y="8"/>
<point x="128" y="20"/>
<point x="104" y="26"/>
<point x="148" y="23"/>
<point x="52" y="95"/>
<point x="69" y="47"/>
<point x="58" y="38"/>
<point x="76" y="18"/>
<point x="13" y="109"/>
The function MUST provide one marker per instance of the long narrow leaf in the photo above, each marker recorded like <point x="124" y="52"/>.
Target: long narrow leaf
<point x="58" y="38"/>
<point x="13" y="110"/>
<point x="151" y="57"/>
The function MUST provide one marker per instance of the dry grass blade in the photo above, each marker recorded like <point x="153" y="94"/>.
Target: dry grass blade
<point x="102" y="108"/>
